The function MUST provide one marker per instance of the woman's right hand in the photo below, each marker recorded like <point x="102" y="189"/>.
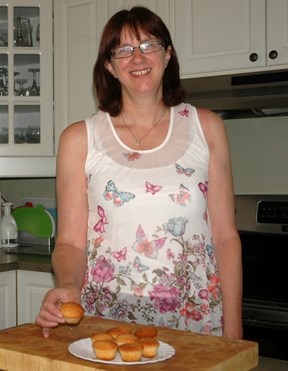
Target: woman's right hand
<point x="50" y="315"/>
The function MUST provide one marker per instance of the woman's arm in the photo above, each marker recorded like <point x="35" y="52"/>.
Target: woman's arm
<point x="69" y="255"/>
<point x="221" y="208"/>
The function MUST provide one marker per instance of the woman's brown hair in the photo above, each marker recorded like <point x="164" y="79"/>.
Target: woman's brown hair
<point x="136" y="19"/>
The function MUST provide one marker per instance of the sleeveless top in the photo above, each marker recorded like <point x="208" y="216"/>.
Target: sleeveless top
<point x="150" y="257"/>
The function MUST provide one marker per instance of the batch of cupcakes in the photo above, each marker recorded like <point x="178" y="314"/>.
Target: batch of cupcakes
<point x="131" y="346"/>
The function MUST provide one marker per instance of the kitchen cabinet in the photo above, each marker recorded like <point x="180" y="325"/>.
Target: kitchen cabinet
<point x="31" y="288"/>
<point x="77" y="27"/>
<point x="7" y="299"/>
<point x="26" y="78"/>
<point x="224" y="36"/>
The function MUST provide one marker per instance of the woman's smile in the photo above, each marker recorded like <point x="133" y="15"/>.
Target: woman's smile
<point x="141" y="72"/>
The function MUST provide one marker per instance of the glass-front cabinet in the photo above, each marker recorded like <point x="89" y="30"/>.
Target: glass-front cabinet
<point x="26" y="78"/>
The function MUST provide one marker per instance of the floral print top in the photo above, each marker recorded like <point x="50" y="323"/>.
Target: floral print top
<point x="149" y="245"/>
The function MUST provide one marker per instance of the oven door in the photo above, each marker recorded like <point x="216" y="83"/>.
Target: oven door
<point x="265" y="296"/>
<point x="265" y="264"/>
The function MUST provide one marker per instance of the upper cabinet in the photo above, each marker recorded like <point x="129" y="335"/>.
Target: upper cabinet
<point x="26" y="78"/>
<point x="277" y="33"/>
<point x="224" y="36"/>
<point x="77" y="27"/>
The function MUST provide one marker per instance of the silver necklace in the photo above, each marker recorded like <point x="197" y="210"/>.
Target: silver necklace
<point x="138" y="141"/>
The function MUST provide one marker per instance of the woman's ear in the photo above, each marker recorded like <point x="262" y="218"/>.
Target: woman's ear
<point x="110" y="68"/>
<point x="167" y="56"/>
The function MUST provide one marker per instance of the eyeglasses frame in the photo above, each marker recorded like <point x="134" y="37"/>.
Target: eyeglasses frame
<point x="140" y="47"/>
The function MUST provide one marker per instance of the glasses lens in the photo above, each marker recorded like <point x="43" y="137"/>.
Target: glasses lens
<point x="123" y="52"/>
<point x="151" y="46"/>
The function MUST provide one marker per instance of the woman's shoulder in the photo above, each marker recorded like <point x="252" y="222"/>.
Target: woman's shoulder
<point x="75" y="129"/>
<point x="212" y="125"/>
<point x="209" y="119"/>
<point x="74" y="139"/>
<point x="206" y="115"/>
<point x="79" y="128"/>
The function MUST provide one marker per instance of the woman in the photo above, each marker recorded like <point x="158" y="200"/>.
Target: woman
<point x="161" y="245"/>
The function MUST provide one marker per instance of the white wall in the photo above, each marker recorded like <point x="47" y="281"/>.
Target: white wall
<point x="15" y="190"/>
<point x="259" y="152"/>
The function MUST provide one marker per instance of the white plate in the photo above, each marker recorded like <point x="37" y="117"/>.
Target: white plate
<point x="83" y="349"/>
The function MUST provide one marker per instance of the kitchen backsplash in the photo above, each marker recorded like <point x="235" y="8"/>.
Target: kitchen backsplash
<point x="15" y="190"/>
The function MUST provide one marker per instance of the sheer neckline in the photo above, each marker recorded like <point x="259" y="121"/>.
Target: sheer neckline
<point x="127" y="148"/>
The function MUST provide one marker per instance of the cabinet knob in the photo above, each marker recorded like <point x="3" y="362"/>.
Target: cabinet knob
<point x="273" y="54"/>
<point x="253" y="57"/>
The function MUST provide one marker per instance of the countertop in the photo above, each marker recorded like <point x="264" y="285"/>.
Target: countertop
<point x="36" y="263"/>
<point x="24" y="348"/>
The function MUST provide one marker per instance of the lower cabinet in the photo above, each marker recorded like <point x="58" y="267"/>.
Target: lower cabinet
<point x="21" y="295"/>
<point x="31" y="288"/>
<point x="7" y="299"/>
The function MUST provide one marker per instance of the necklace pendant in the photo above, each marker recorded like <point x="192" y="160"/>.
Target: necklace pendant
<point x="137" y="142"/>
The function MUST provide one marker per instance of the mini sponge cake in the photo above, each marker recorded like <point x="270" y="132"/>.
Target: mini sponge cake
<point x="131" y="352"/>
<point x="146" y="332"/>
<point x="125" y="339"/>
<point x="101" y="336"/>
<point x="122" y="329"/>
<point x="150" y="347"/>
<point x="72" y="312"/>
<point x="104" y="349"/>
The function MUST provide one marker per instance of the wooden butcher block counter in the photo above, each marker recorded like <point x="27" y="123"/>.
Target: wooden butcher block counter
<point x="23" y="348"/>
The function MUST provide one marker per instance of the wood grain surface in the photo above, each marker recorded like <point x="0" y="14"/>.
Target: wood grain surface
<point x="24" y="348"/>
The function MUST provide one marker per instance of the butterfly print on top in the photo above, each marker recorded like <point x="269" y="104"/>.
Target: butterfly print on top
<point x="181" y="197"/>
<point x="119" y="197"/>
<point x="181" y="170"/>
<point x="203" y="188"/>
<point x="184" y="112"/>
<point x="131" y="156"/>
<point x="149" y="249"/>
<point x="139" y="266"/>
<point x="120" y="255"/>
<point x="152" y="188"/>
<point x="100" y="225"/>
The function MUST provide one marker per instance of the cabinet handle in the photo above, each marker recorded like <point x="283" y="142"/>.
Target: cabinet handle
<point x="273" y="54"/>
<point x="253" y="57"/>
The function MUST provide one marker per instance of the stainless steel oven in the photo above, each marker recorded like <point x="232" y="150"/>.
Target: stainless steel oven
<point x="263" y="227"/>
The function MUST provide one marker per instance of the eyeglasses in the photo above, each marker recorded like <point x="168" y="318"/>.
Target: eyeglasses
<point x="150" y="46"/>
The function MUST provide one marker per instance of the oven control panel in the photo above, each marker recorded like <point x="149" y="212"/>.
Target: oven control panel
<point x="272" y="212"/>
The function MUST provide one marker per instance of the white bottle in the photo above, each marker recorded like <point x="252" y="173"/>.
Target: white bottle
<point x="9" y="230"/>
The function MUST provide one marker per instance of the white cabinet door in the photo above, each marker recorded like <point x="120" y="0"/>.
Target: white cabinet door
<point x="26" y="78"/>
<point x="31" y="288"/>
<point x="219" y="35"/>
<point x="77" y="28"/>
<point x="164" y="9"/>
<point x="7" y="299"/>
<point x="277" y="32"/>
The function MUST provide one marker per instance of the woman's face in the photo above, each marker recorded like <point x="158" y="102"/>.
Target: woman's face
<point x="139" y="74"/>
